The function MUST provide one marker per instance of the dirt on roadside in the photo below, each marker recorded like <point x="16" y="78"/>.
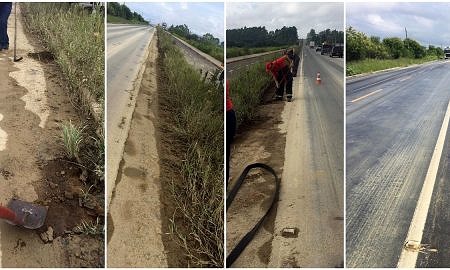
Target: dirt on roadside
<point x="260" y="140"/>
<point x="34" y="102"/>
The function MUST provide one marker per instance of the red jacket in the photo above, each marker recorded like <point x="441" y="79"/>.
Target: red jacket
<point x="229" y="102"/>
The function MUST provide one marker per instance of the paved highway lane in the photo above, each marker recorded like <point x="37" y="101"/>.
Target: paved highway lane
<point x="393" y="122"/>
<point x="126" y="52"/>
<point x="312" y="190"/>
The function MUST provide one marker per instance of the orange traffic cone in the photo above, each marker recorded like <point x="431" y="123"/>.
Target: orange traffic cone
<point x="318" y="80"/>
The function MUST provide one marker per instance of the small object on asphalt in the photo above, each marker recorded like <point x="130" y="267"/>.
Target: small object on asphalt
<point x="318" y="80"/>
<point x="16" y="59"/>
<point x="24" y="214"/>
<point x="416" y="246"/>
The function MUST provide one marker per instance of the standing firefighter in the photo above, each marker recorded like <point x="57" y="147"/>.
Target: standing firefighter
<point x="281" y="73"/>
<point x="5" y="11"/>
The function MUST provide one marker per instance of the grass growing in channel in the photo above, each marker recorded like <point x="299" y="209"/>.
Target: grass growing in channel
<point x="76" y="39"/>
<point x="371" y="65"/>
<point x="193" y="128"/>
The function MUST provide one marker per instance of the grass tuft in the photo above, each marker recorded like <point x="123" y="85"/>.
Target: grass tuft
<point x="72" y="137"/>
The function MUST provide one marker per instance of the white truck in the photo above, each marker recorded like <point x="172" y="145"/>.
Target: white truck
<point x="447" y="53"/>
<point x="311" y="45"/>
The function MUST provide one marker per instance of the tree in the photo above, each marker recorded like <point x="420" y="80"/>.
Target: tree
<point x="395" y="47"/>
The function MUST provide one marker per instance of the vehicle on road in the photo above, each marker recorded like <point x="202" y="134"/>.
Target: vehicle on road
<point x="326" y="49"/>
<point x="311" y="45"/>
<point x="447" y="53"/>
<point x="319" y="48"/>
<point x="338" y="51"/>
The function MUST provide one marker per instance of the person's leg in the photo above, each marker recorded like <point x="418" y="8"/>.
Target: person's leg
<point x="289" y="80"/>
<point x="5" y="11"/>
<point x="231" y="131"/>
<point x="280" y="90"/>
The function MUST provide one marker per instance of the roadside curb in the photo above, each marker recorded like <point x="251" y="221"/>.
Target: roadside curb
<point x="244" y="57"/>
<point x="211" y="59"/>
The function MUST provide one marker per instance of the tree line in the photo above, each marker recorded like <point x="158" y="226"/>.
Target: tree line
<point x="327" y="36"/>
<point x="359" y="46"/>
<point x="121" y="10"/>
<point x="183" y="31"/>
<point x="252" y="37"/>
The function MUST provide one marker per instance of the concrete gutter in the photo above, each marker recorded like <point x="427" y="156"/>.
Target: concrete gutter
<point x="244" y="57"/>
<point x="208" y="57"/>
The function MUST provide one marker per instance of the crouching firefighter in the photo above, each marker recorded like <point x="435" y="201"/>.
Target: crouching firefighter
<point x="280" y="70"/>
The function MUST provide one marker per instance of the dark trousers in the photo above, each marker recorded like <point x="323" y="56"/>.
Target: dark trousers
<point x="5" y="11"/>
<point x="231" y="131"/>
<point x="286" y="83"/>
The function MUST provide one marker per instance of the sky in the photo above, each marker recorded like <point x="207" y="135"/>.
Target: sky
<point x="201" y="18"/>
<point x="304" y="16"/>
<point x="427" y="23"/>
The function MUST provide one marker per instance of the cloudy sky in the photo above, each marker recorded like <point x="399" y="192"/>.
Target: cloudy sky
<point x="201" y="18"/>
<point x="304" y="16"/>
<point x="428" y="23"/>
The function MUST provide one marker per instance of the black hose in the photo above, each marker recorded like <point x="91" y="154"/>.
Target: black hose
<point x="237" y="250"/>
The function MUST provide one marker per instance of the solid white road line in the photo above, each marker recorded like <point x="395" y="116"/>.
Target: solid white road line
<point x="408" y="257"/>
<point x="368" y="95"/>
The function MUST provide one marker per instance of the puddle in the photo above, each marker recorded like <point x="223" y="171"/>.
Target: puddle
<point x="3" y="136"/>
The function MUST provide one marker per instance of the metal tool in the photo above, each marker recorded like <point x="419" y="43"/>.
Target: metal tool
<point x="24" y="214"/>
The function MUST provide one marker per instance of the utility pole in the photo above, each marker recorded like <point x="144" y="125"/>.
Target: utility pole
<point x="406" y="33"/>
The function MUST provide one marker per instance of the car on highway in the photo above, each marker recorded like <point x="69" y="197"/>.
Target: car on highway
<point x="326" y="49"/>
<point x="337" y="51"/>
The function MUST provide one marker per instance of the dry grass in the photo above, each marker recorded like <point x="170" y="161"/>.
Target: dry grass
<point x="193" y="134"/>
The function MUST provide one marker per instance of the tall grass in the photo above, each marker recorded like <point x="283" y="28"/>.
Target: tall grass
<point x="371" y="65"/>
<point x="76" y="39"/>
<point x="193" y="132"/>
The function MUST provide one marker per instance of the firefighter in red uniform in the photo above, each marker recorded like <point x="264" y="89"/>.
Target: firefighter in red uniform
<point x="280" y="70"/>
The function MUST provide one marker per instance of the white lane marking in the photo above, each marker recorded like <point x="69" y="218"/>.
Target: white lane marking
<point x="408" y="257"/>
<point x="368" y="95"/>
<point x="3" y="138"/>
<point x="404" y="79"/>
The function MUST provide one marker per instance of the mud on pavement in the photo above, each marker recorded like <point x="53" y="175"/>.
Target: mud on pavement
<point x="34" y="102"/>
<point x="260" y="140"/>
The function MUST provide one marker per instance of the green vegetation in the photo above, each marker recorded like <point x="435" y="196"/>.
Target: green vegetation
<point x="252" y="37"/>
<point x="236" y="51"/>
<point x="193" y="155"/>
<point x="75" y="39"/>
<point x="365" y="54"/>
<point x="120" y="13"/>
<point x="327" y="36"/>
<point x="72" y="137"/>
<point x="206" y="43"/>
<point x="90" y="228"/>
<point x="371" y="65"/>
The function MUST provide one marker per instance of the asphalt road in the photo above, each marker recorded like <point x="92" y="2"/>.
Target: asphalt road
<point x="126" y="52"/>
<point x="393" y="122"/>
<point x="312" y="190"/>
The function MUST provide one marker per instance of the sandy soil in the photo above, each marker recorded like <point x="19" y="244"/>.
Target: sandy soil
<point x="33" y="104"/>
<point x="134" y="219"/>
<point x="265" y="140"/>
